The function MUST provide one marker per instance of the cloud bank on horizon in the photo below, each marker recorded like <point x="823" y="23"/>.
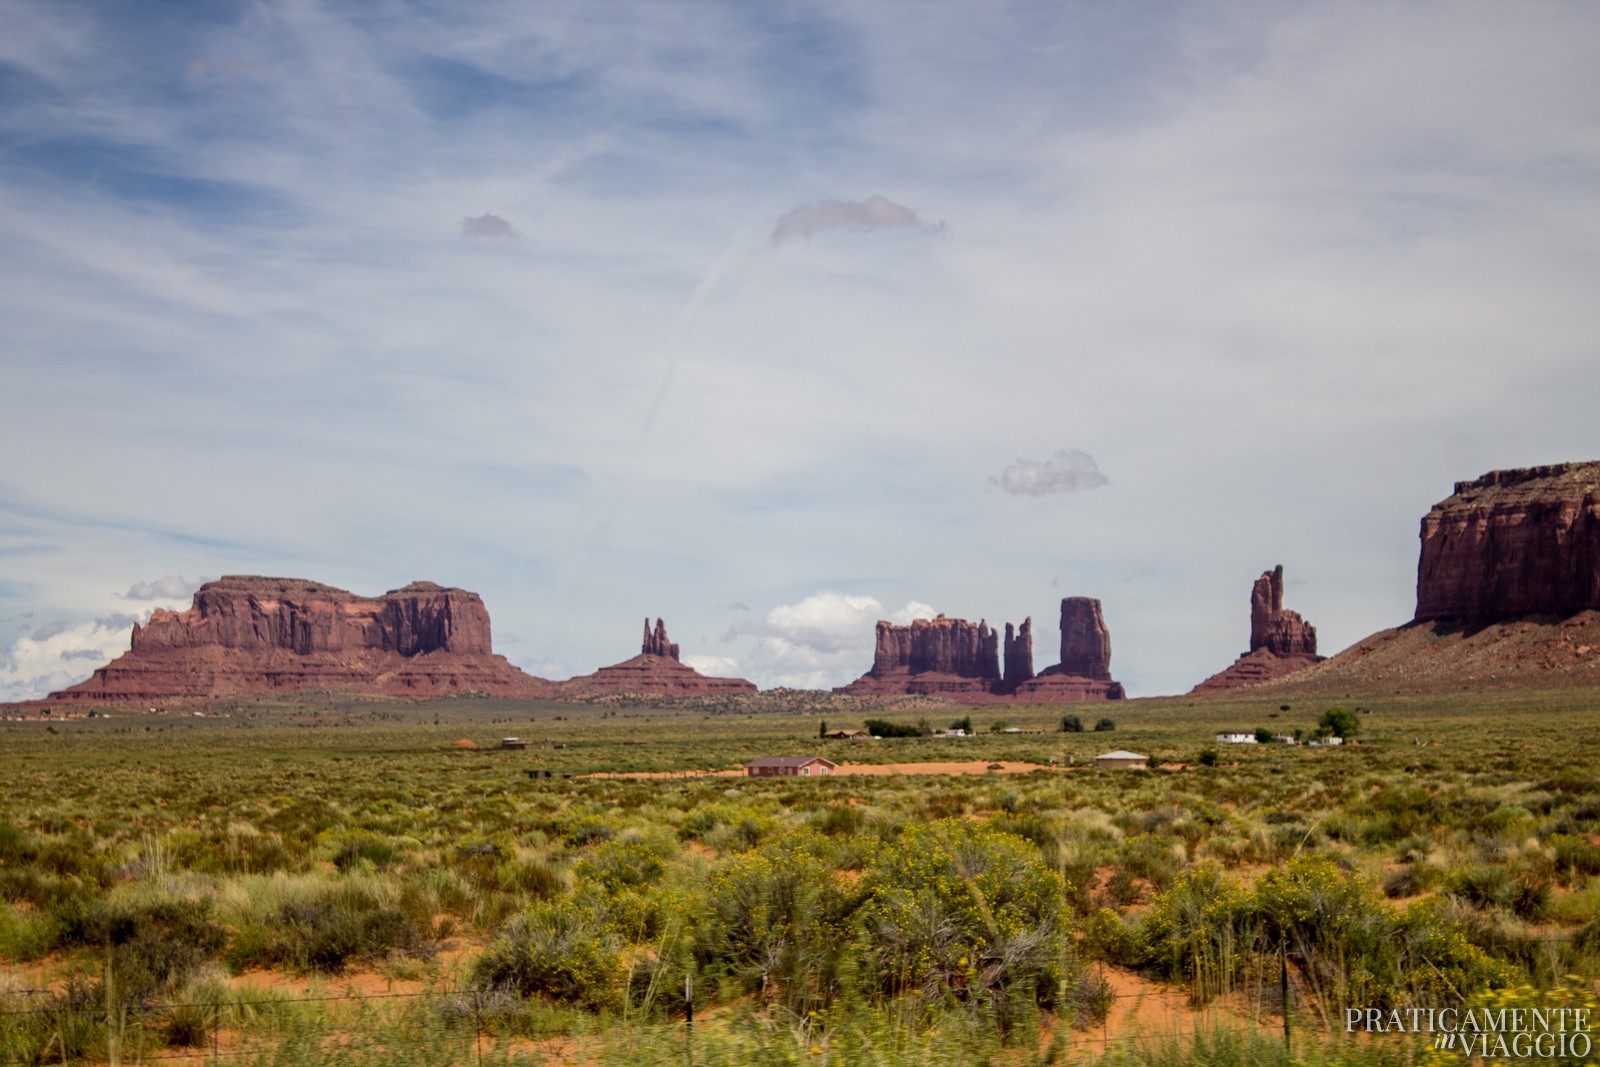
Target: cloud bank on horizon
<point x="464" y="295"/>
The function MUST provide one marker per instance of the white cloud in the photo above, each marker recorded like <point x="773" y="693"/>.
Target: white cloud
<point x="873" y="213"/>
<point x="55" y="657"/>
<point x="822" y="641"/>
<point x="167" y="587"/>
<point x="1066" y="472"/>
<point x="713" y="666"/>
<point x="487" y="226"/>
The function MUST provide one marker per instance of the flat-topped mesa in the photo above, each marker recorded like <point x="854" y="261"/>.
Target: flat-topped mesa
<point x="655" y="671"/>
<point x="1018" y="666"/>
<point x="1084" y="672"/>
<point x="1513" y="544"/>
<point x="1283" y="633"/>
<point x="257" y="614"/>
<point x="1281" y="642"/>
<point x="656" y="644"/>
<point x="246" y="635"/>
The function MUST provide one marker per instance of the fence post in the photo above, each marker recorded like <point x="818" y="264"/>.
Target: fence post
<point x="688" y="1020"/>
<point x="1283" y="988"/>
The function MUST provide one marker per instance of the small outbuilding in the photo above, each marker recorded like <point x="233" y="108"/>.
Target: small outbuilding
<point x="513" y="743"/>
<point x="787" y="766"/>
<point x="1120" y="758"/>
<point x="847" y="735"/>
<point x="1236" y="737"/>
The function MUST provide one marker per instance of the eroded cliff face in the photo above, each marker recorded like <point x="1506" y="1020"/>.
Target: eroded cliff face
<point x="249" y="635"/>
<point x="1281" y="642"/>
<point x="934" y="657"/>
<point x="1513" y="544"/>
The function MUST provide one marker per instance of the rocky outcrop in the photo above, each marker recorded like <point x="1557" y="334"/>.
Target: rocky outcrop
<point x="1280" y="632"/>
<point x="1018" y="666"/>
<point x="933" y="657"/>
<point x="1084" y="672"/>
<point x="656" y="644"/>
<point x="1513" y="544"/>
<point x="655" y="671"/>
<point x="1281" y="642"/>
<point x="246" y="636"/>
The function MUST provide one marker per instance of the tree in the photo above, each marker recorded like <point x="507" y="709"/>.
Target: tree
<point x="1340" y="721"/>
<point x="1105" y="724"/>
<point x="1263" y="735"/>
<point x="1207" y="757"/>
<point x="1071" y="724"/>
<point x="822" y="731"/>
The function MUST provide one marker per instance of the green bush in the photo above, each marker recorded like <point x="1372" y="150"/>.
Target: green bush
<point x="961" y="908"/>
<point x="557" y="950"/>
<point x="1102" y="725"/>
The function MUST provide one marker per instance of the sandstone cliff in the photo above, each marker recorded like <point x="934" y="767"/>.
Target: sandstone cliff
<point x="247" y="635"/>
<point x="1084" y="672"/>
<point x="1512" y="544"/>
<point x="656" y="670"/>
<point x="1281" y="642"/>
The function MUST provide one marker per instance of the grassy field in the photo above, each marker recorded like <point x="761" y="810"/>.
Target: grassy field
<point x="326" y="881"/>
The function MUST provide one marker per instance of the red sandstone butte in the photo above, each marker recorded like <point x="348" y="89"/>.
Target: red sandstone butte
<point x="1281" y="642"/>
<point x="250" y="636"/>
<point x="1513" y="544"/>
<point x="655" y="670"/>
<point x="1508" y="592"/>
<point x="1084" y="672"/>
<point x="939" y="657"/>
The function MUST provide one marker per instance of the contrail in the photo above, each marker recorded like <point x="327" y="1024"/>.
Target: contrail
<point x="686" y="323"/>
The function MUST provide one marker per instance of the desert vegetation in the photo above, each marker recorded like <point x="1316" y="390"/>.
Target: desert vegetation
<point x="324" y="882"/>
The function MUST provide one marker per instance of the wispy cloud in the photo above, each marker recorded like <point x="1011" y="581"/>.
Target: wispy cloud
<point x="873" y="213"/>
<point x="167" y="587"/>
<point x="1068" y="471"/>
<point x="487" y="226"/>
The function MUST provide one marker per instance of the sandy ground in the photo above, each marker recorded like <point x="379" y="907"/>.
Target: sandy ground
<point x="973" y="767"/>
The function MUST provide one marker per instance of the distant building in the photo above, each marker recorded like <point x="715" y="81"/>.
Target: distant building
<point x="1284" y="739"/>
<point x="847" y="735"/>
<point x="1236" y="737"/>
<point x="786" y="766"/>
<point x="513" y="742"/>
<point x="1122" y="759"/>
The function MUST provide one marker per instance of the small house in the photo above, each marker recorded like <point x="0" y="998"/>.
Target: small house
<point x="1120" y="758"/>
<point x="1236" y="737"/>
<point x="846" y="735"/>
<point x="787" y="766"/>
<point x="513" y="742"/>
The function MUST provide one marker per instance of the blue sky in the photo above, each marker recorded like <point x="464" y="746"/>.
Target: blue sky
<point x="777" y="319"/>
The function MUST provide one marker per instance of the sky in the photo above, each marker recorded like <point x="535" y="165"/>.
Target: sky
<point x="773" y="320"/>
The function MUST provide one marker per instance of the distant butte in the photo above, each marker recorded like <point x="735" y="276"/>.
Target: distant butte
<point x="1084" y="673"/>
<point x="252" y="636"/>
<point x="1281" y="642"/>
<point x="655" y="670"/>
<point x="962" y="661"/>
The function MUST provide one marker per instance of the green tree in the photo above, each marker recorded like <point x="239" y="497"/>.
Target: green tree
<point x="1071" y="724"/>
<point x="822" y="731"/>
<point x="1263" y="735"/>
<point x="1105" y="724"/>
<point x="1340" y="721"/>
